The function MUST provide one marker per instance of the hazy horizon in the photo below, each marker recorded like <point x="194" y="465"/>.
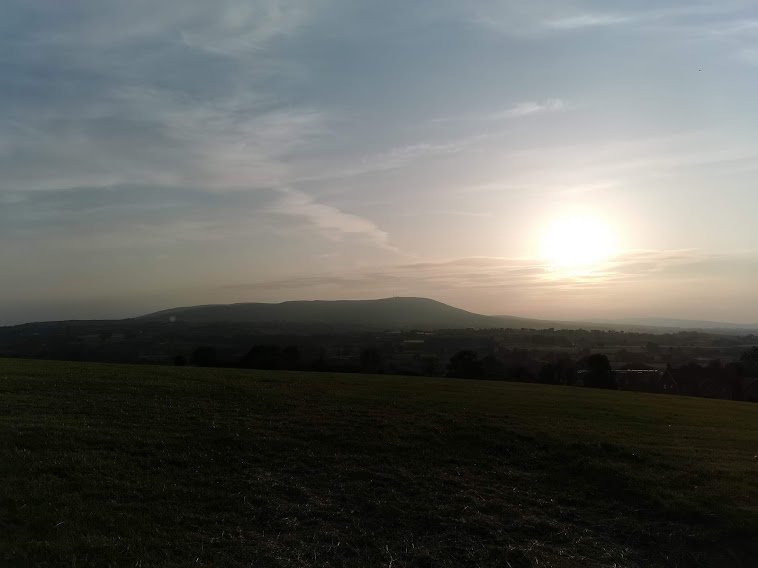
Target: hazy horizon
<point x="642" y="321"/>
<point x="551" y="160"/>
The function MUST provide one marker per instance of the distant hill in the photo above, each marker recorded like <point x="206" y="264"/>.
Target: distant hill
<point x="404" y="313"/>
<point x="400" y="313"/>
<point x="386" y="313"/>
<point x="684" y="324"/>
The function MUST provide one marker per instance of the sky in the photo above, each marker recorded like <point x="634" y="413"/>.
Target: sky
<point x="552" y="159"/>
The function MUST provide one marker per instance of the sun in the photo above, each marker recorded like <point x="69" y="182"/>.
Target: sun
<point x="578" y="243"/>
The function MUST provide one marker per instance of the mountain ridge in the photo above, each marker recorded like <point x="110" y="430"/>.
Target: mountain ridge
<point x="416" y="313"/>
<point x="403" y="312"/>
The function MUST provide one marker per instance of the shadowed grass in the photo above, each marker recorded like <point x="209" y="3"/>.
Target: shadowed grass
<point x="157" y="466"/>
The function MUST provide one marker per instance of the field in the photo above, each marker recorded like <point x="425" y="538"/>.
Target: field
<point x="108" y="465"/>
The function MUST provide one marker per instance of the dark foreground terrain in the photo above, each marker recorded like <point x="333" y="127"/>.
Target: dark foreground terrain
<point x="106" y="465"/>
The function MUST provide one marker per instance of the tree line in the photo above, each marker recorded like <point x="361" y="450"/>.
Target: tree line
<point x="593" y="370"/>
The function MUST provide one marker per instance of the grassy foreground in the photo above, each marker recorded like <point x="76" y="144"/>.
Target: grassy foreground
<point x="107" y="465"/>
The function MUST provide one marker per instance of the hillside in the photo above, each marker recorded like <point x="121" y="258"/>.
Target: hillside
<point x="386" y="313"/>
<point x="159" y="466"/>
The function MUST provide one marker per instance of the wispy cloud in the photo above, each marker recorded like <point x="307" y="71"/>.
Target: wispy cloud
<point x="239" y="28"/>
<point x="490" y="126"/>
<point x="735" y="28"/>
<point x="648" y="156"/>
<point x="163" y="138"/>
<point x="394" y="158"/>
<point x="402" y="155"/>
<point x="156" y="218"/>
<point x="749" y="55"/>
<point x="535" y="19"/>
<point x="331" y="220"/>
<point x="526" y="274"/>
<point x="449" y="212"/>
<point x="524" y="286"/>
<point x="228" y="27"/>
<point x="587" y="21"/>
<point x="517" y="110"/>
<point x="173" y="94"/>
<point x="527" y="108"/>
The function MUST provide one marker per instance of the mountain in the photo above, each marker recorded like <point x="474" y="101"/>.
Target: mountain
<point x="408" y="313"/>
<point x="371" y="315"/>
<point x="386" y="313"/>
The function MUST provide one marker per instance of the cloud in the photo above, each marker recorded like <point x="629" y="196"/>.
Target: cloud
<point x="527" y="275"/>
<point x="635" y="282"/>
<point x="529" y="20"/>
<point x="638" y="157"/>
<point x="527" y="108"/>
<point x="140" y="135"/>
<point x="226" y="27"/>
<point x="160" y="217"/>
<point x="178" y="93"/>
<point x="518" y="110"/>
<point x="735" y="28"/>
<point x="402" y="155"/>
<point x="727" y="25"/>
<point x="239" y="28"/>
<point x="732" y="30"/>
<point x="749" y="55"/>
<point x="541" y="17"/>
<point x="583" y="21"/>
<point x="327" y="218"/>
<point x="394" y="158"/>
<point x="449" y="212"/>
<point x="128" y="217"/>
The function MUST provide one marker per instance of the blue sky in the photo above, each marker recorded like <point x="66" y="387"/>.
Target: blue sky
<point x="164" y="153"/>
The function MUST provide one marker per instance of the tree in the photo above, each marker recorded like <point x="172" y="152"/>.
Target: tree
<point x="371" y="360"/>
<point x="599" y="373"/>
<point x="749" y="360"/>
<point x="492" y="367"/>
<point x="465" y="365"/>
<point x="204" y="356"/>
<point x="652" y="348"/>
<point x="549" y="374"/>
<point x="291" y="357"/>
<point x="262" y="357"/>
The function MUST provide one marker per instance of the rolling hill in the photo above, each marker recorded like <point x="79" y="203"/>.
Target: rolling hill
<point x="386" y="313"/>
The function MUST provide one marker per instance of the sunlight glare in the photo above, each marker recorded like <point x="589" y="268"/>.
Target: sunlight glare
<point x="578" y="243"/>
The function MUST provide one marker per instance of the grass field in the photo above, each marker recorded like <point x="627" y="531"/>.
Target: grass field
<point x="107" y="465"/>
